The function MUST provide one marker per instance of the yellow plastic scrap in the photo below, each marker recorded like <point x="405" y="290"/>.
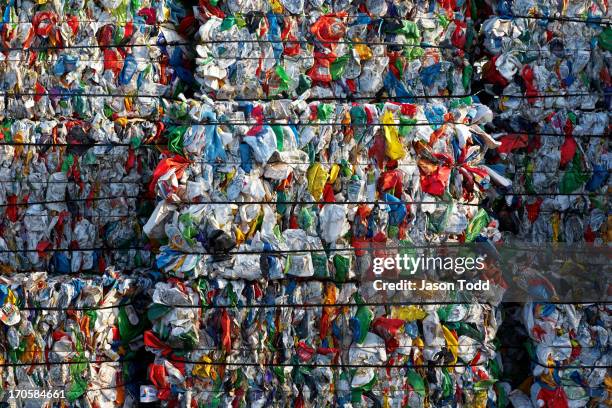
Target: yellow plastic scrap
<point x="480" y="400"/>
<point x="393" y="149"/>
<point x="502" y="105"/>
<point x="228" y="179"/>
<point x="365" y="53"/>
<point x="122" y="121"/>
<point x="331" y="296"/>
<point x="240" y="238"/>
<point x="418" y="357"/>
<point x="418" y="342"/>
<point x="317" y="177"/>
<point x="204" y="370"/>
<point x="555" y="227"/>
<point x="548" y="377"/>
<point x="253" y="226"/>
<point x="452" y="343"/>
<point x="333" y="173"/>
<point x="18" y="139"/>
<point x="276" y="6"/>
<point x="346" y="118"/>
<point x="11" y="298"/>
<point x="28" y="159"/>
<point x="179" y="263"/>
<point x="32" y="350"/>
<point x="408" y="313"/>
<point x="230" y="176"/>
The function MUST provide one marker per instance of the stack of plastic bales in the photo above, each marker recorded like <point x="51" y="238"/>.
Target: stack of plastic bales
<point x="82" y="86"/>
<point x="74" y="335"/>
<point x="553" y="131"/>
<point x="267" y="203"/>
<point x="251" y="152"/>
<point x="553" y="77"/>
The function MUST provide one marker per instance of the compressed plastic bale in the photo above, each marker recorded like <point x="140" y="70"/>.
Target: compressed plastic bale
<point x="80" y="199"/>
<point x="80" y="335"/>
<point x="566" y="336"/>
<point x="73" y="127"/>
<point x="415" y="50"/>
<point x="74" y="167"/>
<point x="565" y="155"/>
<point x="251" y="226"/>
<point x="213" y="329"/>
<point x="272" y="221"/>
<point x="553" y="150"/>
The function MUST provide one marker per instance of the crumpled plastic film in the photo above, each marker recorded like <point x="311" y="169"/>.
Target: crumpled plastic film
<point x="317" y="49"/>
<point x="315" y="356"/>
<point x="84" y="343"/>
